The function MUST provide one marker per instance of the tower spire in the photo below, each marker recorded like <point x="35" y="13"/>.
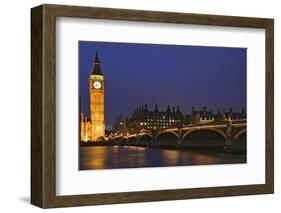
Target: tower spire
<point x="97" y="68"/>
<point x="97" y="60"/>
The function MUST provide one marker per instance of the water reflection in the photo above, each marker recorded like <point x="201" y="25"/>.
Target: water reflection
<point x="109" y="157"/>
<point x="94" y="158"/>
<point x="170" y="157"/>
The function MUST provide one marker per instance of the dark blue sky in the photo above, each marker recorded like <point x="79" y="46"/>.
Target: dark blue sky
<point x="138" y="74"/>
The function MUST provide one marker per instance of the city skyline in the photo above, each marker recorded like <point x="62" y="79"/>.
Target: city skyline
<point x="138" y="74"/>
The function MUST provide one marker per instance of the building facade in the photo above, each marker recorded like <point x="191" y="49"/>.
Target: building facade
<point x="121" y="126"/>
<point x="201" y="116"/>
<point x="145" y="119"/>
<point x="208" y="116"/>
<point x="85" y="128"/>
<point x="93" y="128"/>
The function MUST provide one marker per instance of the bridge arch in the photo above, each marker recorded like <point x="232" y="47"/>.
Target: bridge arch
<point x="167" y="133"/>
<point x="167" y="138"/>
<point x="240" y="133"/>
<point x="240" y="141"/>
<point x="219" y="131"/>
<point x="204" y="137"/>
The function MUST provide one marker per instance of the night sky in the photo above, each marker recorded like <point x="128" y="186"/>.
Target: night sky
<point x="138" y="74"/>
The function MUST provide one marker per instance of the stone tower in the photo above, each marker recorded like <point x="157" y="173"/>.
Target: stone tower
<point x="96" y="84"/>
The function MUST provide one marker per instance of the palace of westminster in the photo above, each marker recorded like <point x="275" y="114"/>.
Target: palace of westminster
<point x="93" y="129"/>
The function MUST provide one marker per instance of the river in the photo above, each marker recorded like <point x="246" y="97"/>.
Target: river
<point x="112" y="157"/>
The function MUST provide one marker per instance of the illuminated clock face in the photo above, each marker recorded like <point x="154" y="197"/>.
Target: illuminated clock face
<point x="97" y="85"/>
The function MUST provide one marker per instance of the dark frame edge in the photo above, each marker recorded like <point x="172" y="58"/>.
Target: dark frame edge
<point x="43" y="107"/>
<point x="269" y="120"/>
<point x="156" y="16"/>
<point x="157" y="196"/>
<point x="37" y="190"/>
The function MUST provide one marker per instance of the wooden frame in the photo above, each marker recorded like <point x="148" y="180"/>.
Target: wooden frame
<point x="43" y="105"/>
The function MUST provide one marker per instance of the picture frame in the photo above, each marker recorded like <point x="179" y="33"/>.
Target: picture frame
<point x="43" y="105"/>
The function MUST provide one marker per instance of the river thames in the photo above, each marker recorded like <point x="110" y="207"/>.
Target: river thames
<point x="112" y="157"/>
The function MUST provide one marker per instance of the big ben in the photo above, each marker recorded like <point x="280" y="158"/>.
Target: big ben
<point x="96" y="84"/>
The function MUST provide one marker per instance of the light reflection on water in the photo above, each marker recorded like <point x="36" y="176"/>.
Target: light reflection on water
<point x="110" y="157"/>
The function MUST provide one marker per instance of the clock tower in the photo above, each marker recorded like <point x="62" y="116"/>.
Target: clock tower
<point x="96" y="84"/>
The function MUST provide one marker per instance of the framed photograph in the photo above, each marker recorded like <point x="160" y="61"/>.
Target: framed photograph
<point x="136" y="106"/>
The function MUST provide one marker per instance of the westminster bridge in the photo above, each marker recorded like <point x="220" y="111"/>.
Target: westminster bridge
<point x="228" y="132"/>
